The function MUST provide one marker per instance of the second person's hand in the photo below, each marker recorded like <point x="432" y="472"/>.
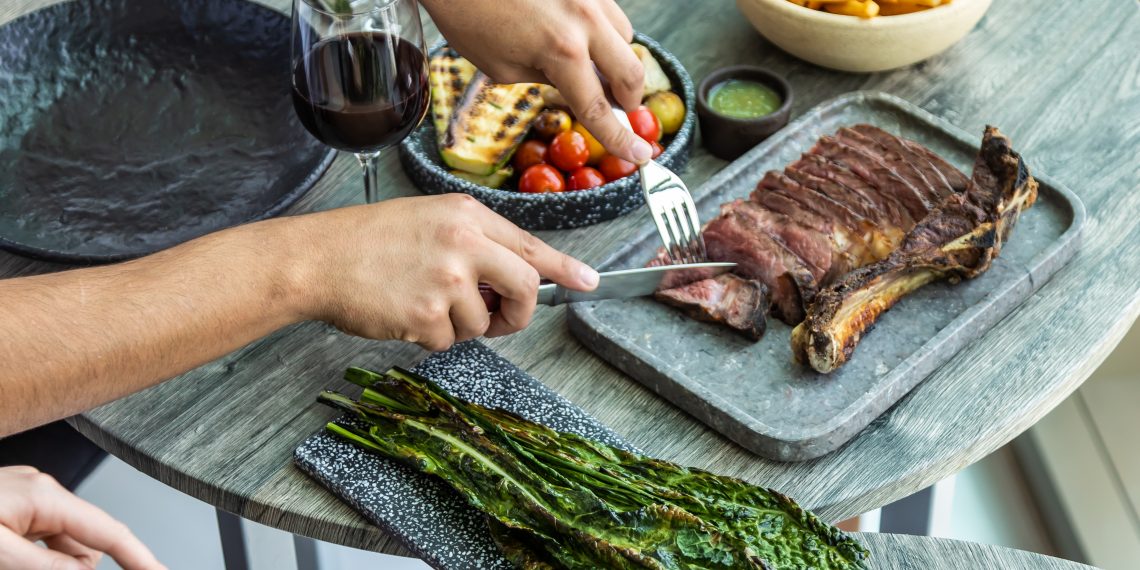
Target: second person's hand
<point x="409" y="269"/>
<point x="557" y="42"/>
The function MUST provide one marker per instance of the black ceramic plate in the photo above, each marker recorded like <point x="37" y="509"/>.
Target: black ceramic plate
<point x="129" y="126"/>
<point x="421" y="512"/>
<point x="421" y="160"/>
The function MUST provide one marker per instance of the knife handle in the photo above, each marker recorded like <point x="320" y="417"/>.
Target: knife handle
<point x="490" y="297"/>
<point x="547" y="293"/>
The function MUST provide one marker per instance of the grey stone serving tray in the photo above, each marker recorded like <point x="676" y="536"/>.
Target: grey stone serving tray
<point x="753" y="392"/>
<point x="420" y="511"/>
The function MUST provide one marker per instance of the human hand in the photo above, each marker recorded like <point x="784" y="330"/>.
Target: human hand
<point x="409" y="269"/>
<point x="558" y="42"/>
<point x="33" y="506"/>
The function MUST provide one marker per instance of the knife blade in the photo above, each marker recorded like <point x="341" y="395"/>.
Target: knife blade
<point x="618" y="284"/>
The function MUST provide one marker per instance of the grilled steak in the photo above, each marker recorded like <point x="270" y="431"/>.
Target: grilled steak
<point x="851" y="202"/>
<point x="959" y="240"/>
<point x="741" y="304"/>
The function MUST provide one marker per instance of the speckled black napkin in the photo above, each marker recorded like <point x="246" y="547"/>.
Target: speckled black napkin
<point x="422" y="512"/>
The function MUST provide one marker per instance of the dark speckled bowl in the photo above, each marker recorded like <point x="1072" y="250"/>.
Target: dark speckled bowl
<point x="420" y="157"/>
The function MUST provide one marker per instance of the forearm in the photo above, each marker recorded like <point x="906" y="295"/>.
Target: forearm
<point x="118" y="329"/>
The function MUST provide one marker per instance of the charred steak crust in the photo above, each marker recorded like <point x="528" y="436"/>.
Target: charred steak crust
<point x="959" y="240"/>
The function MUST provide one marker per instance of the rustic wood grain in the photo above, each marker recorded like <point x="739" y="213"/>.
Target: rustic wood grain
<point x="1064" y="83"/>
<point x="905" y="552"/>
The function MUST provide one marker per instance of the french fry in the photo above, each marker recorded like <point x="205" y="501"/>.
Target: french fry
<point x="867" y="9"/>
<point x="870" y="8"/>
<point x="901" y="8"/>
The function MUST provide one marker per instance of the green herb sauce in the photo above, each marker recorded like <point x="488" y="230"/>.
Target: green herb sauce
<point x="743" y="99"/>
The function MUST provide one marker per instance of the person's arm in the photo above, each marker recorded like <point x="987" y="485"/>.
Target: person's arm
<point x="565" y="43"/>
<point x="404" y="269"/>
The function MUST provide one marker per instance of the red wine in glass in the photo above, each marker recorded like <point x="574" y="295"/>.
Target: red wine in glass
<point x="360" y="79"/>
<point x="361" y="92"/>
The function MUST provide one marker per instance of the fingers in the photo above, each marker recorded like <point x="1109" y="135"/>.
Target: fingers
<point x="60" y="512"/>
<point x="618" y="19"/>
<point x="18" y="552"/>
<point x="516" y="281"/>
<point x="620" y="66"/>
<point x="469" y="316"/>
<point x="549" y="262"/>
<point x="73" y="548"/>
<point x="579" y="84"/>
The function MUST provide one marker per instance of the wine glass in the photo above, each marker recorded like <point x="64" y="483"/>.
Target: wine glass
<point x="360" y="76"/>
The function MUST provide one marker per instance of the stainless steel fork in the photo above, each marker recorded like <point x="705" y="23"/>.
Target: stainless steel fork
<point x="672" y="209"/>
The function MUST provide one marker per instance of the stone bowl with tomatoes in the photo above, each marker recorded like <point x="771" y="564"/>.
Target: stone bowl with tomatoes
<point x="556" y="176"/>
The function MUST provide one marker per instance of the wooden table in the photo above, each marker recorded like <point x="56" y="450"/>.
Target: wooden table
<point x="1065" y="83"/>
<point x="905" y="552"/>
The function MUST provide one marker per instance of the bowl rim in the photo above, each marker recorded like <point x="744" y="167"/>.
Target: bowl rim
<point x="722" y="74"/>
<point x="883" y="22"/>
<point x="614" y="186"/>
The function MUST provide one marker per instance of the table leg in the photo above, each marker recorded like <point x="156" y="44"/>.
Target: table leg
<point x="233" y="541"/>
<point x="305" y="549"/>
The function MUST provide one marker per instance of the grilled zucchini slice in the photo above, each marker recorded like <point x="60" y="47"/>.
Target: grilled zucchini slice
<point x="491" y="180"/>
<point x="448" y="74"/>
<point x="488" y="124"/>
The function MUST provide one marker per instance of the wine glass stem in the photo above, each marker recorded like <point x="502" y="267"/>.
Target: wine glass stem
<point x="369" y="163"/>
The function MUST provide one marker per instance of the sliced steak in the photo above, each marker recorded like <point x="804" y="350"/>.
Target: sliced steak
<point x="815" y="250"/>
<point x="937" y="171"/>
<point x="881" y="235"/>
<point x="822" y="167"/>
<point x="899" y="164"/>
<point x="850" y="232"/>
<point x="876" y="173"/>
<point x="954" y="177"/>
<point x="739" y="303"/>
<point x="733" y="236"/>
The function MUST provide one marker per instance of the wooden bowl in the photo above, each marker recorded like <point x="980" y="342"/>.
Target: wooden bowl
<point x="848" y="43"/>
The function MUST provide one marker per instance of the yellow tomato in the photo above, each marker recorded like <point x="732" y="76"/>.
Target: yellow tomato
<point x="669" y="109"/>
<point x="596" y="149"/>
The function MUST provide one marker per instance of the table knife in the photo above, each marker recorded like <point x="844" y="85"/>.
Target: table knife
<point x="619" y="284"/>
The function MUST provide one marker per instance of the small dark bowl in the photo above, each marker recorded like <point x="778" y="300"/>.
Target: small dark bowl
<point x="729" y="137"/>
<point x="564" y="210"/>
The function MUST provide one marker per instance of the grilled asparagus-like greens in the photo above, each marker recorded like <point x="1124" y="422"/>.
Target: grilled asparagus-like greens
<point x="560" y="501"/>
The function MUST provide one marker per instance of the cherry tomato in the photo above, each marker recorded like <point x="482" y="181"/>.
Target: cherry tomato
<point x="614" y="168"/>
<point x="596" y="148"/>
<point x="541" y="178"/>
<point x="529" y="153"/>
<point x="645" y="124"/>
<point x="657" y="149"/>
<point x="568" y="151"/>
<point x="585" y="178"/>
<point x="550" y="123"/>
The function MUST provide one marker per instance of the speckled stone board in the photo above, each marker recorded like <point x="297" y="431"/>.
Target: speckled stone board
<point x="428" y="517"/>
<point x="753" y="392"/>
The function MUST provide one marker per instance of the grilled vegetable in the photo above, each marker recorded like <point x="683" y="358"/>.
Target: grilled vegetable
<point x="655" y="78"/>
<point x="560" y="501"/>
<point x="493" y="180"/>
<point x="488" y="123"/>
<point x="449" y="74"/>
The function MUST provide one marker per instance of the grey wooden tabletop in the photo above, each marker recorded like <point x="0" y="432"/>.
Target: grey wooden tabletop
<point x="905" y="552"/>
<point x="1063" y="82"/>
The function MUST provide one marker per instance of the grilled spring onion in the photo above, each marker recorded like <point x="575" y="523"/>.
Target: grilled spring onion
<point x="560" y="501"/>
